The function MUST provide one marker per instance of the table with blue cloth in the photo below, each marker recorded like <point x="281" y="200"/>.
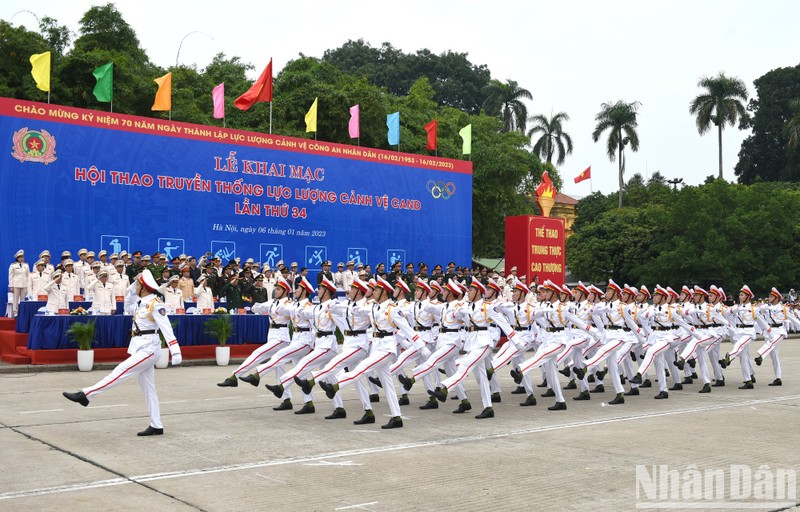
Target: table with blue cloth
<point x="29" y="308"/>
<point x="111" y="331"/>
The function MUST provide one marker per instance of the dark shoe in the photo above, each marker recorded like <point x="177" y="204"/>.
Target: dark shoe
<point x="439" y="393"/>
<point x="151" y="431"/>
<point x="637" y="379"/>
<point x="583" y="396"/>
<point x="463" y="407"/>
<point x="405" y="381"/>
<point x="680" y="363"/>
<point x="776" y="382"/>
<point x="531" y="400"/>
<point x="646" y="384"/>
<point x="396" y="422"/>
<point x="676" y="387"/>
<point x="581" y="372"/>
<point x="252" y="379"/>
<point x="662" y="396"/>
<point x="489" y="373"/>
<point x="725" y="361"/>
<point x="486" y="413"/>
<point x="565" y="371"/>
<point x="286" y="405"/>
<point x="78" y="397"/>
<point x="753" y="379"/>
<point x="337" y="414"/>
<point x="519" y="391"/>
<point x="230" y="382"/>
<point x="549" y="393"/>
<point x="558" y="406"/>
<point x="747" y="385"/>
<point x="277" y="389"/>
<point x="590" y="378"/>
<point x="369" y="417"/>
<point x="430" y="404"/>
<point x="570" y="385"/>
<point x="598" y="389"/>
<point x="633" y="355"/>
<point x="516" y="375"/>
<point x="374" y="399"/>
<point x="496" y="398"/>
<point x="308" y="408"/>
<point x="305" y="385"/>
<point x="619" y="399"/>
<point x="623" y="379"/>
<point x="329" y="389"/>
<point x="403" y="400"/>
<point x="706" y="388"/>
<point x="601" y="374"/>
<point x="633" y="392"/>
<point x="687" y="380"/>
<point x="694" y="376"/>
<point x="719" y="384"/>
<point x="542" y="385"/>
<point x="758" y="360"/>
<point x="375" y="381"/>
<point x="692" y="363"/>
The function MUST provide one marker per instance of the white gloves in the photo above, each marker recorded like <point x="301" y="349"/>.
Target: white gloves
<point x="176" y="359"/>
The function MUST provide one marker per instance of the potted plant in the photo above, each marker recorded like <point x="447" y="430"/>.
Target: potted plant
<point x="163" y="352"/>
<point x="220" y="328"/>
<point x="83" y="334"/>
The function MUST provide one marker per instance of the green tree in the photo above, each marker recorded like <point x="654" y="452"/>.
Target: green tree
<point x="504" y="100"/>
<point x="792" y="130"/>
<point x="17" y="44"/>
<point x="57" y="36"/>
<point x="719" y="105"/>
<point x="620" y="119"/>
<point x="553" y="139"/>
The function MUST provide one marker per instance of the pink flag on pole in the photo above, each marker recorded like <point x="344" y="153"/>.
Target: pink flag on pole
<point x="219" y="101"/>
<point x="354" y="126"/>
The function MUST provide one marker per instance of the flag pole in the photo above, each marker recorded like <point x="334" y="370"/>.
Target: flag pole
<point x="112" y="106"/>
<point x="169" y="116"/>
<point x="270" y="118"/>
<point x="48" y="97"/>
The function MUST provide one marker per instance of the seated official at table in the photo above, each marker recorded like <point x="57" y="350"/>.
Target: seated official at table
<point x="103" y="300"/>
<point x="56" y="294"/>
<point x="37" y="280"/>
<point x="173" y="297"/>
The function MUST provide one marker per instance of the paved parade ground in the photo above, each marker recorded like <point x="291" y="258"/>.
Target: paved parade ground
<point x="225" y="449"/>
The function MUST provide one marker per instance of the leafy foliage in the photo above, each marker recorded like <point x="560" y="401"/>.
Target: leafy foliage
<point x="83" y="334"/>
<point x="553" y="139"/>
<point x="219" y="327"/>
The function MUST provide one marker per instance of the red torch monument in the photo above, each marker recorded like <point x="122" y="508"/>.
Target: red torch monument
<point x="535" y="244"/>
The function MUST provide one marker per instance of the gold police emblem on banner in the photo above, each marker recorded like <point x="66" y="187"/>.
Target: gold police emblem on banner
<point x="34" y="146"/>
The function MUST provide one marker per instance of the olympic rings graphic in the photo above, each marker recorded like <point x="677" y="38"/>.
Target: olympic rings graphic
<point x="440" y="189"/>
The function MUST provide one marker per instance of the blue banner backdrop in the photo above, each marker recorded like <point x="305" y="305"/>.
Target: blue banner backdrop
<point x="73" y="178"/>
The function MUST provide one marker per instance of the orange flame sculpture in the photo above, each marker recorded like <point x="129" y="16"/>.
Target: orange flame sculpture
<point x="545" y="194"/>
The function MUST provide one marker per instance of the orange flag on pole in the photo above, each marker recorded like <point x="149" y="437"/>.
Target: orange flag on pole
<point x="164" y="94"/>
<point x="585" y="175"/>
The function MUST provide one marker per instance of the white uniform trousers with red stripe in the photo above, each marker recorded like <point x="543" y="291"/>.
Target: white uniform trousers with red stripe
<point x="771" y="340"/>
<point x="741" y="344"/>
<point x="142" y="364"/>
<point x="659" y="353"/>
<point x="573" y="353"/>
<point x="545" y="358"/>
<point x="377" y="362"/>
<point x="609" y="352"/>
<point x="445" y="356"/>
<point x="317" y="358"/>
<point x="276" y="340"/>
<point x="300" y="346"/>
<point x="474" y="361"/>
<point x="697" y="348"/>
<point x="350" y="356"/>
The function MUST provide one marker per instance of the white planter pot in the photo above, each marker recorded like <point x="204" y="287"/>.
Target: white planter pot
<point x="223" y="355"/>
<point x="85" y="360"/>
<point x="163" y="358"/>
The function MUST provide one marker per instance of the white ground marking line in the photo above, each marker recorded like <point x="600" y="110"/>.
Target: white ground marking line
<point x="380" y="449"/>
<point x="174" y="402"/>
<point x="223" y="398"/>
<point x="36" y="412"/>
<point x="360" y="505"/>
<point x="265" y="477"/>
<point x="326" y="463"/>
<point x="365" y="430"/>
<point x="107" y="406"/>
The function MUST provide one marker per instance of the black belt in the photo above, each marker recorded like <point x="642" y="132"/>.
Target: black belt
<point x="476" y="328"/>
<point x="614" y="328"/>
<point x="355" y="333"/>
<point x="302" y="329"/>
<point x="280" y="326"/>
<point x="421" y="328"/>
<point x="322" y="334"/>
<point x="663" y="328"/>
<point x="445" y="329"/>
<point x="381" y="334"/>
<point x="555" y="329"/>
<point x="744" y="325"/>
<point x="776" y="325"/>
<point x="142" y="333"/>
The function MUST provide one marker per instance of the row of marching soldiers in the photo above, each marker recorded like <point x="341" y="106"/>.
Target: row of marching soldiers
<point x="454" y="328"/>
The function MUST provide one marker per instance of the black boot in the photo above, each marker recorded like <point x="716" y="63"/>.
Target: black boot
<point x="516" y="375"/>
<point x="565" y="371"/>
<point x="395" y="422"/>
<point x="531" y="400"/>
<point x="439" y="393"/>
<point x="463" y="407"/>
<point x="308" y="408"/>
<point x="719" y="384"/>
<point x="619" y="399"/>
<point x="337" y="414"/>
<point x="305" y="385"/>
<point x="230" y="382"/>
<point x="486" y="413"/>
<point x="374" y="399"/>
<point x="151" y="431"/>
<point x="633" y="392"/>
<point x="543" y="384"/>
<point x="676" y="387"/>
<point x="549" y="393"/>
<point x="403" y="400"/>
<point x="78" y="397"/>
<point x="252" y="379"/>
<point x="405" y="381"/>
<point x="747" y="385"/>
<point x="758" y="360"/>
<point x="776" y="382"/>
<point x="496" y="398"/>
<point x="585" y="395"/>
<point x="662" y="396"/>
<point x="432" y="403"/>
<point x="637" y="379"/>
<point x="369" y="417"/>
<point x="598" y="389"/>
<point x="706" y="388"/>
<point x="329" y="389"/>
<point x="558" y="406"/>
<point x="375" y="381"/>
<point x="570" y="385"/>
<point x="680" y="363"/>
<point x="277" y="390"/>
<point x="580" y="373"/>
<point x="519" y="391"/>
<point x="286" y="405"/>
<point x="687" y="380"/>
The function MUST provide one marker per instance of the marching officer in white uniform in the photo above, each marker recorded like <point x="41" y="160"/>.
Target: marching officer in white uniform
<point x="774" y="319"/>
<point x="18" y="274"/>
<point x="149" y="317"/>
<point x="744" y="317"/>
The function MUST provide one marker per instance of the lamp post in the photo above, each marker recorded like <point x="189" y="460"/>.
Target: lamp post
<point x="675" y="182"/>
<point x="178" y="55"/>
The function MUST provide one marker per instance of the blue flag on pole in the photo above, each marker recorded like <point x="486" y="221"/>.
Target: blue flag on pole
<point x="393" y="123"/>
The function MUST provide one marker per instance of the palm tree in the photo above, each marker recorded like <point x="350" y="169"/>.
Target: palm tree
<point x="553" y="137"/>
<point x="620" y="118"/>
<point x="505" y="101"/>
<point x="719" y="105"/>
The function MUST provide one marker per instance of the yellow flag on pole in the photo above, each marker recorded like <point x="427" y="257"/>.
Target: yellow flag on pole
<point x="164" y="94"/>
<point x="41" y="70"/>
<point x="311" y="117"/>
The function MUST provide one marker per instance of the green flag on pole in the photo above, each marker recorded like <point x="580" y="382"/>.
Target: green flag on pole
<point x="104" y="90"/>
<point x="466" y="135"/>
